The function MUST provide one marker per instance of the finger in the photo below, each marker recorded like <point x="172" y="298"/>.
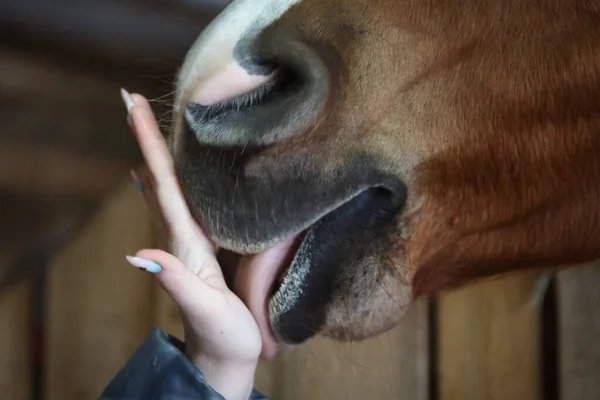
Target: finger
<point x="159" y="160"/>
<point x="150" y="195"/>
<point x="189" y="291"/>
<point x="160" y="165"/>
<point x="168" y="192"/>
<point x="161" y="228"/>
<point x="175" y="211"/>
<point x="146" y="187"/>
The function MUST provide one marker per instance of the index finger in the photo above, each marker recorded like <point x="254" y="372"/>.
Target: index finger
<point x="160" y="165"/>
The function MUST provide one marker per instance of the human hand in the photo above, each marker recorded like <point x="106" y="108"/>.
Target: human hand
<point x="221" y="336"/>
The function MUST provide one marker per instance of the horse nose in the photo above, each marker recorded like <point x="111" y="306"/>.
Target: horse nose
<point x="241" y="89"/>
<point x="259" y="103"/>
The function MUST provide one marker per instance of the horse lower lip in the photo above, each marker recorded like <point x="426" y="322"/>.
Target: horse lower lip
<point x="287" y="263"/>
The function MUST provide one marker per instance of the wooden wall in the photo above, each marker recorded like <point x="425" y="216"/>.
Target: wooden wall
<point x="489" y="342"/>
<point x="579" y="322"/>
<point x="481" y="342"/>
<point x="15" y="331"/>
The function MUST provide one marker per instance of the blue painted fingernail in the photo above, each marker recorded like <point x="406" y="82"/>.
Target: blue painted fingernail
<point x="137" y="181"/>
<point x="143" y="264"/>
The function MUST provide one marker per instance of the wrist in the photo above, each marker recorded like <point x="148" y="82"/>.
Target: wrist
<point x="232" y="380"/>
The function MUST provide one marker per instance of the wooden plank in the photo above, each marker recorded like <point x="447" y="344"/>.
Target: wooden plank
<point x="579" y="332"/>
<point x="98" y="307"/>
<point x="15" y="329"/>
<point x="265" y="380"/>
<point x="66" y="106"/>
<point x="142" y="37"/>
<point x="489" y="341"/>
<point x="31" y="78"/>
<point x="33" y="225"/>
<point x="393" y="365"/>
<point x="52" y="172"/>
<point x="82" y="129"/>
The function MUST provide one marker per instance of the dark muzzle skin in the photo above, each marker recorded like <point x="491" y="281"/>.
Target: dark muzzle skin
<point x="250" y="213"/>
<point x="334" y="243"/>
<point x="349" y="218"/>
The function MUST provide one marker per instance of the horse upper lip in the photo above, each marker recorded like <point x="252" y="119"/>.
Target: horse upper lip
<point x="249" y="215"/>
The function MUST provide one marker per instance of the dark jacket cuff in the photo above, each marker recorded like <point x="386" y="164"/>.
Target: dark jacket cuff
<point x="159" y="369"/>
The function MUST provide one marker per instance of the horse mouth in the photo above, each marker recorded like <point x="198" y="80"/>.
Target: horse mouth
<point x="295" y="251"/>
<point x="288" y="286"/>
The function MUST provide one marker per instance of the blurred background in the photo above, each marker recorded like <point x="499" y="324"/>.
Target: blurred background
<point x="64" y="141"/>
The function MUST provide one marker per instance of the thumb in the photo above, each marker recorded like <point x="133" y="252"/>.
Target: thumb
<point x="187" y="289"/>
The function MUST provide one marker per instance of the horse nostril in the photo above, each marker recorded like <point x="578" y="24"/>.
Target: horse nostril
<point x="199" y="114"/>
<point x="246" y="103"/>
<point x="256" y="67"/>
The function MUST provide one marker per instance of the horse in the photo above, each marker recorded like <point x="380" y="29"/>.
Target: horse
<point x="354" y="155"/>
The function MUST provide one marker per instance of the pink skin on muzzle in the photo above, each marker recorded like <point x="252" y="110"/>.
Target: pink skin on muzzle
<point x="227" y="83"/>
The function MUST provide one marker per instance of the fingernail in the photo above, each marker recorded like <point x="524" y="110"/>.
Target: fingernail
<point x="137" y="181"/>
<point x="127" y="100"/>
<point x="143" y="264"/>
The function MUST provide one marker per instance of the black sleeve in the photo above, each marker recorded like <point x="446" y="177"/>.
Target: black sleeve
<point x="159" y="370"/>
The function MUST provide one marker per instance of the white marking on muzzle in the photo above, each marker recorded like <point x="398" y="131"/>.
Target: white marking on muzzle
<point x="210" y="72"/>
